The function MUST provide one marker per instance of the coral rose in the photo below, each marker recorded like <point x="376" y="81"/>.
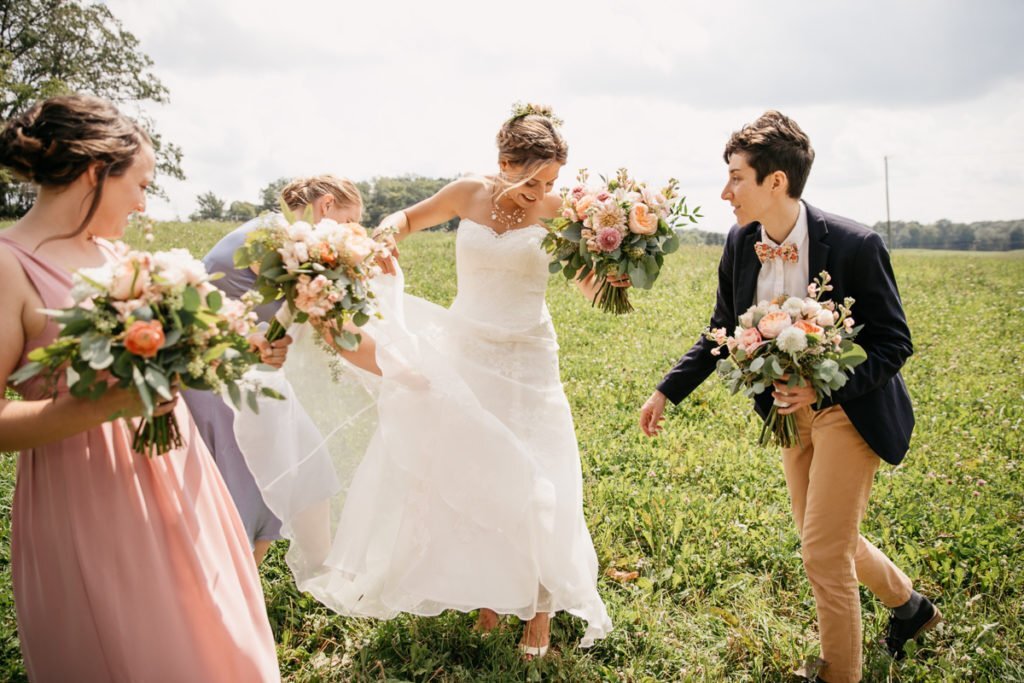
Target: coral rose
<point x="144" y="338"/>
<point x="773" y="323"/>
<point x="809" y="327"/>
<point x="642" y="220"/>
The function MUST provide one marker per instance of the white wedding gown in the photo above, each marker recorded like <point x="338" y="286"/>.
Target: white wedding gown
<point x="453" y="481"/>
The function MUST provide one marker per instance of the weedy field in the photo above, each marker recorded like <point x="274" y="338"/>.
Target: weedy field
<point x="701" y="513"/>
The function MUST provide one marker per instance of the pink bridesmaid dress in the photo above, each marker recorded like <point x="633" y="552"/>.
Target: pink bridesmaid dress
<point x="125" y="567"/>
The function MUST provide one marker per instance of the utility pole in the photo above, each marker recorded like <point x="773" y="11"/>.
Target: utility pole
<point x="888" y="222"/>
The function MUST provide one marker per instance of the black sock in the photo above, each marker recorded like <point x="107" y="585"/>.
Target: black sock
<point x="910" y="607"/>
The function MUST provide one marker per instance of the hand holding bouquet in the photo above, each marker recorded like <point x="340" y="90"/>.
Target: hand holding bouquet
<point x="322" y="272"/>
<point x="808" y="340"/>
<point x="151" y="321"/>
<point x="619" y="228"/>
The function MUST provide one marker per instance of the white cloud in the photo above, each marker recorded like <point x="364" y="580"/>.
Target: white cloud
<point x="264" y="89"/>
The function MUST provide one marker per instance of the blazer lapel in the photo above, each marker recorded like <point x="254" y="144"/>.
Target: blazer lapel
<point x="748" y="267"/>
<point x="817" y="242"/>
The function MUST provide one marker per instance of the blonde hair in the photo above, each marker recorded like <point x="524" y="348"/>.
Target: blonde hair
<point x="303" y="192"/>
<point x="530" y="140"/>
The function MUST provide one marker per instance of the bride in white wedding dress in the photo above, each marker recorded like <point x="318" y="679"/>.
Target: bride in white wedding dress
<point x="453" y="475"/>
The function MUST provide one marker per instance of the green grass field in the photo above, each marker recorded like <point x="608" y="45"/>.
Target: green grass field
<point x="702" y="513"/>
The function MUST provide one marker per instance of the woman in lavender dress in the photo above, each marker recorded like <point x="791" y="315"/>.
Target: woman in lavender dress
<point x="329" y="197"/>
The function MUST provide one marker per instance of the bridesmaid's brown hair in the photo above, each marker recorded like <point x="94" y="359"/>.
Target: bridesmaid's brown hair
<point x="55" y="141"/>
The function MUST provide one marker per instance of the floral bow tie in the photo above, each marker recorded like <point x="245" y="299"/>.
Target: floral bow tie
<point x="787" y="252"/>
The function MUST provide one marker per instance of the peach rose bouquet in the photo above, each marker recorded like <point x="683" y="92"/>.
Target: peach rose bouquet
<point x="621" y="227"/>
<point x="322" y="271"/>
<point x="151" y="321"/>
<point x="801" y="340"/>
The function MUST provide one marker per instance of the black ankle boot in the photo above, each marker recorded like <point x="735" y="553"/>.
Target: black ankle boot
<point x="900" y="631"/>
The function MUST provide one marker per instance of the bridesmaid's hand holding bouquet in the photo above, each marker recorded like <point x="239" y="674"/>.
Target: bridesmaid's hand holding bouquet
<point x="150" y="322"/>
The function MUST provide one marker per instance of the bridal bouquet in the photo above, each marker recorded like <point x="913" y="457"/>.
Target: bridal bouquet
<point x="808" y="340"/>
<point x="322" y="271"/>
<point x="619" y="228"/>
<point x="152" y="321"/>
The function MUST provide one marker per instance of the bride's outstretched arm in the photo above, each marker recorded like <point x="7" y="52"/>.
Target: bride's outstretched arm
<point x="365" y="355"/>
<point x="439" y="208"/>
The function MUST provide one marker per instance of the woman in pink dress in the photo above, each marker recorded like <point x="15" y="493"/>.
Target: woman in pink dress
<point x="125" y="567"/>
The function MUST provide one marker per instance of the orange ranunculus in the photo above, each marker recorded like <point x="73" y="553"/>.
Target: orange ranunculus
<point x="327" y="254"/>
<point x="144" y="338"/>
<point x="809" y="327"/>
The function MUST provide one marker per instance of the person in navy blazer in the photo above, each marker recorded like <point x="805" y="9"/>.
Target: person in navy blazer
<point x="868" y="419"/>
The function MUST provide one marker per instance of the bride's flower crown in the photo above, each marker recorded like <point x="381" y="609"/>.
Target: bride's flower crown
<point x="521" y="109"/>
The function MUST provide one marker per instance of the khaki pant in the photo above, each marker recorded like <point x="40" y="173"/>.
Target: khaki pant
<point x="829" y="480"/>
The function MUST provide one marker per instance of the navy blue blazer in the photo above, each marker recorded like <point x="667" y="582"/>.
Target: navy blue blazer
<point x="875" y="398"/>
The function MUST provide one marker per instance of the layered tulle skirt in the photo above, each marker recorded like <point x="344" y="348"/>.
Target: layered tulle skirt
<point x="452" y="481"/>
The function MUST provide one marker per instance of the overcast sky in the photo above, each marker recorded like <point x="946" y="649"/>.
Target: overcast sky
<point x="262" y="89"/>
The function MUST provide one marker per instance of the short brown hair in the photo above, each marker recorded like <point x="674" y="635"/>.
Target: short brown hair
<point x="774" y="142"/>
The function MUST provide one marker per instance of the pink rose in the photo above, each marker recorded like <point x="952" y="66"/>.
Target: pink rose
<point x="603" y="196"/>
<point x="609" y="239"/>
<point x="569" y="214"/>
<point x="773" y="323"/>
<point x="578" y="192"/>
<point x="748" y="339"/>
<point x="642" y="220"/>
<point x="131" y="278"/>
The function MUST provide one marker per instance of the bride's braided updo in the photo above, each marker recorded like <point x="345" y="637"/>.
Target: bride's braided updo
<point x="529" y="140"/>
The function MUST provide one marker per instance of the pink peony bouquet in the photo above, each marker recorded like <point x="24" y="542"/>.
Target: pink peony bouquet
<point x="322" y="271"/>
<point x="804" y="340"/>
<point x="152" y="321"/>
<point x="619" y="228"/>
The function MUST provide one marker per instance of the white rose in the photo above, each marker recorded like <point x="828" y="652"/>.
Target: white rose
<point x="300" y="231"/>
<point x="91" y="281"/>
<point x="747" y="319"/>
<point x="793" y="306"/>
<point x="825" y="318"/>
<point x="791" y="340"/>
<point x="810" y="308"/>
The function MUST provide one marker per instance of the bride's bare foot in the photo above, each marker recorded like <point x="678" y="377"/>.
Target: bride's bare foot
<point x="486" y="620"/>
<point x="536" y="636"/>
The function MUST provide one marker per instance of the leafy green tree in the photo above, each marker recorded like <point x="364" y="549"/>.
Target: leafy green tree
<point x="270" y="195"/>
<point x="50" y="47"/>
<point x="211" y="208"/>
<point x="385" y="195"/>
<point x="241" y="211"/>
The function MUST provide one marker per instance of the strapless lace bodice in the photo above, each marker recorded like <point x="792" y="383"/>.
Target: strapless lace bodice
<point x="502" y="278"/>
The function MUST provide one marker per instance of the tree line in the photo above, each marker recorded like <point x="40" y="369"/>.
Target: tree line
<point x="381" y="196"/>
<point x="944" y="234"/>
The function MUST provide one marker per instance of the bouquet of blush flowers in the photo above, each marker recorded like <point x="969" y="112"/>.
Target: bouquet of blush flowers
<point x="619" y="228"/>
<point x="152" y="321"/>
<point x="804" y="340"/>
<point x="322" y="271"/>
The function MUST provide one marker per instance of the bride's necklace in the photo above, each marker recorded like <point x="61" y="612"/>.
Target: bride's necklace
<point x="507" y="218"/>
